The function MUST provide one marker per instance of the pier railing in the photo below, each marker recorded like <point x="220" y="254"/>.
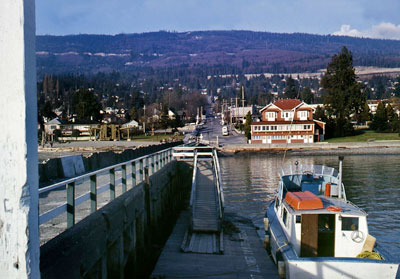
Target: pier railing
<point x="197" y="153"/>
<point x="154" y="162"/>
<point x="220" y="190"/>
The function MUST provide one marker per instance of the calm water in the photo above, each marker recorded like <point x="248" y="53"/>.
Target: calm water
<point x="371" y="182"/>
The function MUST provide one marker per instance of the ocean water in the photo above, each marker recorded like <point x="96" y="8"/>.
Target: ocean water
<point x="372" y="182"/>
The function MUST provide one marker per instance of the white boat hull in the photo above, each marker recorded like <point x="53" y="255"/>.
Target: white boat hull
<point x="339" y="269"/>
<point x="324" y="267"/>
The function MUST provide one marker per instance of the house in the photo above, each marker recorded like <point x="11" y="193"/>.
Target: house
<point x="54" y="124"/>
<point x="171" y="114"/>
<point x="131" y="124"/>
<point x="239" y="114"/>
<point x="287" y="121"/>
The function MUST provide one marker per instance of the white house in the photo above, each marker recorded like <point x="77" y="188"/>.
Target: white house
<point x="52" y="125"/>
<point x="131" y="124"/>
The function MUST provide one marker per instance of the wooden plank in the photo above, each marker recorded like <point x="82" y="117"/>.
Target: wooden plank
<point x="234" y="263"/>
<point x="309" y="235"/>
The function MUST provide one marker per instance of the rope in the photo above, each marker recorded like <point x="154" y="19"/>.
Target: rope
<point x="280" y="247"/>
<point x="369" y="255"/>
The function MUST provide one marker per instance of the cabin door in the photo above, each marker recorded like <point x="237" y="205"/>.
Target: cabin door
<point x="326" y="235"/>
<point x="309" y="235"/>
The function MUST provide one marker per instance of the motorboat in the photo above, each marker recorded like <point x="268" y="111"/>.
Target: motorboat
<point x="313" y="231"/>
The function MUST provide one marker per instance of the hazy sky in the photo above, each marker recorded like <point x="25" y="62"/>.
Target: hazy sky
<point x="367" y="18"/>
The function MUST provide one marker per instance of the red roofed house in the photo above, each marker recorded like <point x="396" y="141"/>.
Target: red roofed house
<point x="287" y="121"/>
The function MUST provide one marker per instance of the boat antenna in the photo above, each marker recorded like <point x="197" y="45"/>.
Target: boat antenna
<point x="340" y="176"/>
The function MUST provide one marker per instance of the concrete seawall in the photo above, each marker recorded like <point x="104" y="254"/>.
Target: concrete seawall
<point x="52" y="169"/>
<point x="121" y="239"/>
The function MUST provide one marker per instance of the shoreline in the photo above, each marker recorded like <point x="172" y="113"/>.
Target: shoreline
<point x="317" y="149"/>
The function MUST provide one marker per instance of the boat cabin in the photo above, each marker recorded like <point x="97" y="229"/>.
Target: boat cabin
<point x="316" y="218"/>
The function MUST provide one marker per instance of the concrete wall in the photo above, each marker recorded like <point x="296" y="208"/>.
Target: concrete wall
<point x="53" y="169"/>
<point x="121" y="239"/>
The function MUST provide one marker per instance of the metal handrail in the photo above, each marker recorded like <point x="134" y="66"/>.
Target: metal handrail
<point x="219" y="185"/>
<point x="219" y="179"/>
<point x="194" y="179"/>
<point x="158" y="160"/>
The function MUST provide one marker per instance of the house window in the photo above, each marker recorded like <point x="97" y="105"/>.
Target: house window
<point x="256" y="137"/>
<point x="288" y="115"/>
<point x="303" y="114"/>
<point x="271" y="115"/>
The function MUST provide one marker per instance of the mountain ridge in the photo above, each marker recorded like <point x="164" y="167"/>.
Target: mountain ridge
<point x="218" y="51"/>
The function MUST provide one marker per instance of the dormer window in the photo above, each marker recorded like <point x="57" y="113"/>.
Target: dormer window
<point x="303" y="114"/>
<point x="288" y="115"/>
<point x="271" y="115"/>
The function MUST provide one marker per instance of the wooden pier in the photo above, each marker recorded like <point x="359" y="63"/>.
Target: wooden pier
<point x="244" y="255"/>
<point x="206" y="243"/>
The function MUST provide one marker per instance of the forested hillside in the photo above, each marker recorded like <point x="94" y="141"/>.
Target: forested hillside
<point x="211" y="52"/>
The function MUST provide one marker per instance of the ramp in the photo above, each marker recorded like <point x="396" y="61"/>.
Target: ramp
<point x="205" y="205"/>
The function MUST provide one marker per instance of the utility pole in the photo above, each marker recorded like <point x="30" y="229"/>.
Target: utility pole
<point x="242" y="96"/>
<point x="144" y="119"/>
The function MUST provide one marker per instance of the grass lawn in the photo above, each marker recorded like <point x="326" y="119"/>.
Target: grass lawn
<point x="156" y="137"/>
<point x="365" y="135"/>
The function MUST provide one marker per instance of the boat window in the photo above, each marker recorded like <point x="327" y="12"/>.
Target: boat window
<point x="284" y="216"/>
<point x="298" y="219"/>
<point x="349" y="223"/>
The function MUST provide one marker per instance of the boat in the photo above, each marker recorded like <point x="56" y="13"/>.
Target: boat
<point x="313" y="231"/>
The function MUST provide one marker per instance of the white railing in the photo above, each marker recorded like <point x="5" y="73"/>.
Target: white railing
<point x="153" y="162"/>
<point x="197" y="152"/>
<point x="220" y="190"/>
<point x="314" y="169"/>
<point x="193" y="192"/>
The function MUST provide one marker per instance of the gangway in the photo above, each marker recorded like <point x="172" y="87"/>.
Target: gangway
<point x="204" y="234"/>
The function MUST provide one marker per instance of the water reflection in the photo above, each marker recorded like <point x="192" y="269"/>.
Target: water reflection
<point x="372" y="183"/>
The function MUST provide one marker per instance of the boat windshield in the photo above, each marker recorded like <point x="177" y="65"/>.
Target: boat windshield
<point x="316" y="170"/>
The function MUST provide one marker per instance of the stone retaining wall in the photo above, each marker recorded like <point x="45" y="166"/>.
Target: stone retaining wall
<point x="122" y="239"/>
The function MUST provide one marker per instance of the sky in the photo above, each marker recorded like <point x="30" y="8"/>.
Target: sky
<point x="360" y="18"/>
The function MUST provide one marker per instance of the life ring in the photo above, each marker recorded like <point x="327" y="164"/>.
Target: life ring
<point x="334" y="208"/>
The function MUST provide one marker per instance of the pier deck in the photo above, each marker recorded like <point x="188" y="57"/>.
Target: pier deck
<point x="244" y="255"/>
<point x="205" y="211"/>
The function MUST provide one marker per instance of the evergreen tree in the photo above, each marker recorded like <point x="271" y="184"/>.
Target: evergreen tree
<point x="290" y="89"/>
<point x="342" y="93"/>
<point x="379" y="122"/>
<point x="164" y="119"/>
<point x="389" y="113"/>
<point x="307" y="96"/>
<point x="86" y="105"/>
<point x="319" y="114"/>
<point x="247" y="125"/>
<point x="397" y="88"/>
<point x="380" y="90"/>
<point x="365" y="115"/>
